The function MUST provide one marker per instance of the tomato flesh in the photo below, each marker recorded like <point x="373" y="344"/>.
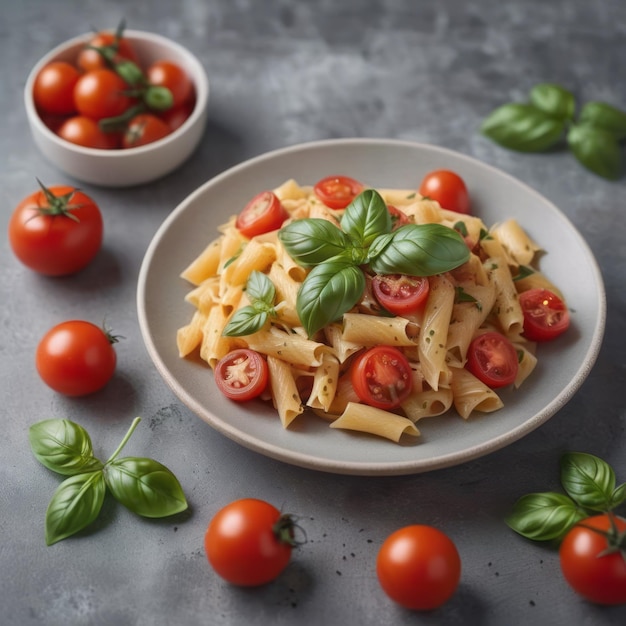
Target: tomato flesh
<point x="337" y="192"/>
<point x="447" y="188"/>
<point x="545" y="314"/>
<point x="401" y="294"/>
<point x="589" y="567"/>
<point x="242" y="374"/>
<point x="492" y="358"/>
<point x="381" y="377"/>
<point x="248" y="542"/>
<point x="263" y="214"/>
<point x="419" y="567"/>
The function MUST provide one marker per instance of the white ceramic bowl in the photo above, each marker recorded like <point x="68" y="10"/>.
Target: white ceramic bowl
<point x="123" y="167"/>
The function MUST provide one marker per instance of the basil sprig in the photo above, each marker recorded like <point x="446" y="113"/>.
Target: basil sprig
<point x="247" y="320"/>
<point x="549" y="119"/>
<point x="365" y="239"/>
<point x="143" y="485"/>
<point x="590" y="487"/>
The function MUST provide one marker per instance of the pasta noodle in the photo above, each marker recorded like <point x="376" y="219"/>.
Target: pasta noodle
<point x="478" y="297"/>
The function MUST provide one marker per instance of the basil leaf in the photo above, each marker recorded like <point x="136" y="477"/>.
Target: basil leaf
<point x="597" y="149"/>
<point x="260" y="287"/>
<point x="74" y="505"/>
<point x="619" y="496"/>
<point x="145" y="487"/>
<point x="544" y="516"/>
<point x="328" y="291"/>
<point x="554" y="100"/>
<point x="312" y="241"/>
<point x="523" y="127"/>
<point x="418" y="250"/>
<point x="604" y="116"/>
<point x="588" y="480"/>
<point x="365" y="218"/>
<point x="245" y="321"/>
<point x="63" y="446"/>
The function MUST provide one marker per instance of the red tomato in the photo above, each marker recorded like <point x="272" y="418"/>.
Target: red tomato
<point x="262" y="214"/>
<point x="419" y="567"/>
<point x="591" y="560"/>
<point x="398" y="217"/>
<point x="381" y="377"/>
<point x="492" y="358"/>
<point x="143" y="129"/>
<point x="176" y="117"/>
<point x="86" y="132"/>
<point x="249" y="542"/>
<point x="76" y="358"/>
<point x="337" y="192"/>
<point x="56" y="231"/>
<point x="53" y="90"/>
<point x="545" y="314"/>
<point x="242" y="374"/>
<point x="100" y="94"/>
<point x="112" y="45"/>
<point x="175" y="78"/>
<point x="448" y="189"/>
<point x="401" y="294"/>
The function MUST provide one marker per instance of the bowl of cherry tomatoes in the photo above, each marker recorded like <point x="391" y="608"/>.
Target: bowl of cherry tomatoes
<point x="117" y="108"/>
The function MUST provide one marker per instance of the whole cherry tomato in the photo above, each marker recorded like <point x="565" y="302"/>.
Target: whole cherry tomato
<point x="143" y="129"/>
<point x="419" y="567"/>
<point x="249" y="542"/>
<point x="76" y="358"/>
<point x="53" y="90"/>
<point x="174" y="77"/>
<point x="100" y="94"/>
<point x="56" y="231"/>
<point x="84" y="131"/>
<point x="447" y="188"/>
<point x="104" y="48"/>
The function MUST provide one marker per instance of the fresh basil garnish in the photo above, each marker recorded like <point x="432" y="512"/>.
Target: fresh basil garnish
<point x="339" y="255"/>
<point x="548" y="119"/>
<point x="590" y="486"/>
<point x="143" y="485"/>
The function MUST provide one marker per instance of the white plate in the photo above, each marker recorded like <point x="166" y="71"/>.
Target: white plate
<point x="309" y="442"/>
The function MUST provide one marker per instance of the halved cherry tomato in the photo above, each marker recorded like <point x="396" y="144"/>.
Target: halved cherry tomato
<point x="143" y="129"/>
<point x="56" y="231"/>
<point x="100" y="94"/>
<point x="419" y="567"/>
<point x="381" y="377"/>
<point x="337" y="192"/>
<point x="174" y="77"/>
<point x="545" y="314"/>
<point x="401" y="294"/>
<point x="53" y="90"/>
<point x="262" y="214"/>
<point x="108" y="44"/>
<point x="84" y="131"/>
<point x="492" y="358"/>
<point x="76" y="358"/>
<point x="448" y="189"/>
<point x="398" y="217"/>
<point x="242" y="374"/>
<point x="249" y="542"/>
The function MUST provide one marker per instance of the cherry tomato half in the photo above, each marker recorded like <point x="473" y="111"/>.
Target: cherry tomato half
<point x="492" y="358"/>
<point x="381" y="377"/>
<point x="262" y="214"/>
<point x="337" y="192"/>
<point x="100" y="94"/>
<point x="56" y="231"/>
<point x="591" y="563"/>
<point x="86" y="132"/>
<point x="545" y="314"/>
<point x="174" y="77"/>
<point x="401" y="294"/>
<point x="242" y="374"/>
<point x="53" y="90"/>
<point x="76" y="358"/>
<point x="249" y="542"/>
<point x="143" y="129"/>
<point x="398" y="217"/>
<point x="112" y="45"/>
<point x="419" y="567"/>
<point x="448" y="189"/>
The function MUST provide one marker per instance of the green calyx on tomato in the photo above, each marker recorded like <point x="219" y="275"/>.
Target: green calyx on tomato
<point x="58" y="205"/>
<point x="366" y="237"/>
<point x="590" y="486"/>
<point x="143" y="485"/>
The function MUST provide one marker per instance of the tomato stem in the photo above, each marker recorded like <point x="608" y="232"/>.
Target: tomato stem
<point x="284" y="529"/>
